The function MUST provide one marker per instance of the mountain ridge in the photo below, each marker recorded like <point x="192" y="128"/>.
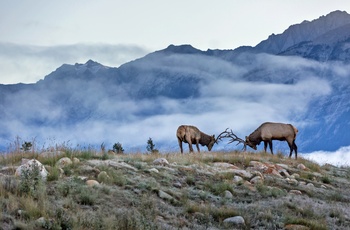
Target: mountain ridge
<point x="213" y="89"/>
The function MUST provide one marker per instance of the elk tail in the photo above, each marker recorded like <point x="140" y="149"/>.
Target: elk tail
<point x="295" y="130"/>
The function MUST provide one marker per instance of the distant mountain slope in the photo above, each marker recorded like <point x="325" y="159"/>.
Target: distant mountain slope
<point x="318" y="30"/>
<point x="300" y="77"/>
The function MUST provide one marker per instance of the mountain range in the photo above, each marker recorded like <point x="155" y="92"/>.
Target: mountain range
<point x="300" y="76"/>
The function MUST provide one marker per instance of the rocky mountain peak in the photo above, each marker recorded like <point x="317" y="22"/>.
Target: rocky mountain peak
<point x="304" y="32"/>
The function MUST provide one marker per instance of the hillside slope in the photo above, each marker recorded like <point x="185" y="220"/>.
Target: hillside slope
<point x="89" y="190"/>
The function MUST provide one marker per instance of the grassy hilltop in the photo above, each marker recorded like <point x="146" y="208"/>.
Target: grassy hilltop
<point x="189" y="191"/>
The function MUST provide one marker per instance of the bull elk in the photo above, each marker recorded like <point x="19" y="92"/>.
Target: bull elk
<point x="192" y="135"/>
<point x="267" y="132"/>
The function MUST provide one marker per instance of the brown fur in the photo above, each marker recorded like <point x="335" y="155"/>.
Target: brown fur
<point x="192" y="135"/>
<point x="269" y="131"/>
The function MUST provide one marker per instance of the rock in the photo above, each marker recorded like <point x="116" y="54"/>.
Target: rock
<point x="8" y="170"/>
<point x="177" y="185"/>
<point x="154" y="170"/>
<point x="237" y="179"/>
<point x="224" y="165"/>
<point x="242" y="173"/>
<point x="296" y="192"/>
<point x="92" y="183"/>
<point x="234" y="221"/>
<point x="24" y="160"/>
<point x="76" y="160"/>
<point x="103" y="177"/>
<point x="256" y="180"/>
<point x="83" y="178"/>
<point x="228" y="194"/>
<point x="284" y="166"/>
<point x="258" y="165"/>
<point x="63" y="162"/>
<point x="250" y="186"/>
<point x="301" y="167"/>
<point x="273" y="171"/>
<point x="284" y="173"/>
<point x="119" y="165"/>
<point x="310" y="185"/>
<point x="41" y="221"/>
<point x="164" y="195"/>
<point x="292" y="181"/>
<point x="295" y="175"/>
<point x="161" y="161"/>
<point x="29" y="166"/>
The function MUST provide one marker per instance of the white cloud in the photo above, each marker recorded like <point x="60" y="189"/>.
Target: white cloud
<point x="340" y="157"/>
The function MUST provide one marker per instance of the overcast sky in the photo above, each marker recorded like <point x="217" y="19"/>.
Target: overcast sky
<point x="37" y="36"/>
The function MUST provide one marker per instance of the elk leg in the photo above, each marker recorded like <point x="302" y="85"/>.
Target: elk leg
<point x="293" y="146"/>
<point x="265" y="146"/>
<point x="197" y="146"/>
<point x="190" y="147"/>
<point x="180" y="144"/>
<point x="270" y="143"/>
<point x="189" y="141"/>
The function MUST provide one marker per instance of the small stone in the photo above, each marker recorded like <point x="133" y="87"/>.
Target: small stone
<point x="224" y="165"/>
<point x="161" y="161"/>
<point x="301" y="167"/>
<point x="256" y="180"/>
<point x="177" y="185"/>
<point x="237" y="179"/>
<point x="65" y="161"/>
<point x="310" y="185"/>
<point x="242" y="173"/>
<point x="228" y="194"/>
<point x="154" y="170"/>
<point x="92" y="183"/>
<point x="235" y="221"/>
<point x="164" y="195"/>
<point x="292" y="181"/>
<point x="76" y="160"/>
<point x="296" y="192"/>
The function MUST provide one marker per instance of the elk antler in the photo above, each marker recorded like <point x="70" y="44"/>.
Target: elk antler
<point x="220" y="136"/>
<point x="227" y="134"/>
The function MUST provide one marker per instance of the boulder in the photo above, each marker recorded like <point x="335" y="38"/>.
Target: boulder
<point x="64" y="161"/>
<point x="30" y="166"/>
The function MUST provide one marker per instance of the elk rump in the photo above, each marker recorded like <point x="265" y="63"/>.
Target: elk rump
<point x="269" y="131"/>
<point x="192" y="135"/>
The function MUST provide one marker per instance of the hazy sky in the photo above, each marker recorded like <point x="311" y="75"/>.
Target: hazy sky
<point x="37" y="36"/>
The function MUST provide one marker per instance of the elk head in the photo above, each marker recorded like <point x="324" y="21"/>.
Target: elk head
<point x="212" y="142"/>
<point x="249" y="143"/>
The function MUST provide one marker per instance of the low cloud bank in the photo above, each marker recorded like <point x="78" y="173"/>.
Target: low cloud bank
<point x="340" y="157"/>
